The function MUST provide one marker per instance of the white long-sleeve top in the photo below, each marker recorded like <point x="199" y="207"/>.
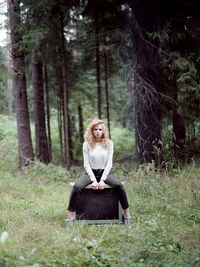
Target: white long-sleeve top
<point x="97" y="158"/>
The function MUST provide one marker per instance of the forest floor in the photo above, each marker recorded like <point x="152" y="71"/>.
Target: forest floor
<point x="165" y="209"/>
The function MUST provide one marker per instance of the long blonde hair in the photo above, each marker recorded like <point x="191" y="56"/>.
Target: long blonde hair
<point x="89" y="136"/>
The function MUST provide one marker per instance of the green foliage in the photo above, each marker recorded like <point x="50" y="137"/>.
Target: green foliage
<point x="2" y="134"/>
<point x="178" y="60"/>
<point x="52" y="173"/>
<point x="184" y="74"/>
<point x="123" y="142"/>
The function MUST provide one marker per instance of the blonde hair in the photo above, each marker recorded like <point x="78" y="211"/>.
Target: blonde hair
<point x="89" y="136"/>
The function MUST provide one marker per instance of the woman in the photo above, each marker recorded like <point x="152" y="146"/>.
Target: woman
<point x="97" y="156"/>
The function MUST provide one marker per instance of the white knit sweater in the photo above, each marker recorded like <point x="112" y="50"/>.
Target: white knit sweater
<point x="97" y="158"/>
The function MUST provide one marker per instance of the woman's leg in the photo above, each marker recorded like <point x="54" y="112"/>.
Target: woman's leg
<point x="113" y="181"/>
<point x="80" y="183"/>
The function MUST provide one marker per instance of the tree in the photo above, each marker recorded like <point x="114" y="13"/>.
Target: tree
<point x="19" y="81"/>
<point x="42" y="148"/>
<point x="63" y="82"/>
<point x="3" y="77"/>
<point x="178" y="36"/>
<point x="46" y="93"/>
<point x="10" y="89"/>
<point x="144" y="81"/>
<point x="98" y="74"/>
<point x="35" y="27"/>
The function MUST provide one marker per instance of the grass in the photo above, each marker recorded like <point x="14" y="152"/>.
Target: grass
<point x="33" y="203"/>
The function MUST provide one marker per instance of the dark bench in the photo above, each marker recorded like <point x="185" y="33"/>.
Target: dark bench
<point x="99" y="206"/>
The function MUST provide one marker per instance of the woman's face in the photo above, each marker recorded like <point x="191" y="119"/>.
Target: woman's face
<point x="98" y="131"/>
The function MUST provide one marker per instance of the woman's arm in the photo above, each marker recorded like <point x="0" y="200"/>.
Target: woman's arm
<point x="109" y="161"/>
<point x="86" y="162"/>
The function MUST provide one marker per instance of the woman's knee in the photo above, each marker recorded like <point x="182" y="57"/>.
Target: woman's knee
<point x="81" y="182"/>
<point x="76" y="188"/>
<point x="114" y="181"/>
<point x="120" y="186"/>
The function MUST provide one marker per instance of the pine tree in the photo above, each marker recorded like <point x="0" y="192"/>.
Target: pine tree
<point x="19" y="82"/>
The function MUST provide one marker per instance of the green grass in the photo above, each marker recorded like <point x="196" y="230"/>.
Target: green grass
<point x="33" y="204"/>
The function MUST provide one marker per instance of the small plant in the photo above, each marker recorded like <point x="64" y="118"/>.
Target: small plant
<point x="2" y="134"/>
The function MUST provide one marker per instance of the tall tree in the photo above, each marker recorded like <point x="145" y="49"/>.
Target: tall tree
<point x="98" y="75"/>
<point x="178" y="35"/>
<point x="80" y="123"/>
<point x="35" y="17"/>
<point x="3" y="80"/>
<point x="42" y="148"/>
<point x="19" y="81"/>
<point x="107" y="89"/>
<point x="146" y="84"/>
<point x="63" y="83"/>
<point x="46" y="93"/>
<point x="10" y="89"/>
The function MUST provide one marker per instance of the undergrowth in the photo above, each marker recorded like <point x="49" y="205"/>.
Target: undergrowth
<point x="33" y="204"/>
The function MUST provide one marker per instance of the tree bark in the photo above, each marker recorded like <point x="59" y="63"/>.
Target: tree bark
<point x="25" y="148"/>
<point x="147" y="128"/>
<point x="107" y="92"/>
<point x="63" y="94"/>
<point x="46" y="89"/>
<point x="59" y="79"/>
<point x="146" y="85"/>
<point x="98" y="77"/>
<point x="10" y="88"/>
<point x="179" y="133"/>
<point x="70" y="129"/>
<point x="60" y="125"/>
<point x="80" y="123"/>
<point x="66" y="103"/>
<point x="42" y="149"/>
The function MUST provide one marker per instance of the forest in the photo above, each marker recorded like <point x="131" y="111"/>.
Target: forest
<point x="136" y="65"/>
<point x="133" y="63"/>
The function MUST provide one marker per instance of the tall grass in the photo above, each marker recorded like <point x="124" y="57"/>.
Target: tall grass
<point x="33" y="203"/>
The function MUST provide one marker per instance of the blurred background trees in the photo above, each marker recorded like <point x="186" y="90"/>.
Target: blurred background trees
<point x="133" y="63"/>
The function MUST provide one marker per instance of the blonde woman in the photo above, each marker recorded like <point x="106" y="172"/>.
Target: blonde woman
<point x="97" y="157"/>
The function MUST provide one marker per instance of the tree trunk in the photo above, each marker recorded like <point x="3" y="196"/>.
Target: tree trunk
<point x="10" y="91"/>
<point x="66" y="102"/>
<point x="63" y="95"/>
<point x="19" y="82"/>
<point x="146" y="84"/>
<point x="179" y="133"/>
<point x="80" y="123"/>
<point x="107" y="92"/>
<point x="70" y="129"/>
<point x="46" y="89"/>
<point x="59" y="79"/>
<point x="60" y="125"/>
<point x="98" y="66"/>
<point x="147" y="127"/>
<point x="42" y="150"/>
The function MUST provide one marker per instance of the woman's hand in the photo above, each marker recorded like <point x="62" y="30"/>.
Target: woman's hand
<point x="101" y="185"/>
<point x="95" y="185"/>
